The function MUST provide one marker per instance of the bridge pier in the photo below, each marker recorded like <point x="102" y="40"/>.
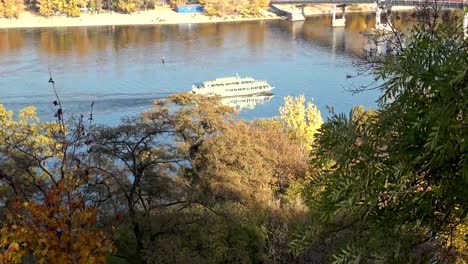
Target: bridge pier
<point x="378" y="18"/>
<point x="339" y="22"/>
<point x="378" y="12"/>
<point x="297" y="16"/>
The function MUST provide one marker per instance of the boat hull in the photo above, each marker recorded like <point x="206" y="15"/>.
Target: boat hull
<point x="232" y="86"/>
<point x="234" y="93"/>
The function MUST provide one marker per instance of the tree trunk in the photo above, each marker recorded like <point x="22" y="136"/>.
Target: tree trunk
<point x="137" y="232"/>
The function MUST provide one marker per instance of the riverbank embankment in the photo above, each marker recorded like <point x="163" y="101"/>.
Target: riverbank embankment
<point x="161" y="15"/>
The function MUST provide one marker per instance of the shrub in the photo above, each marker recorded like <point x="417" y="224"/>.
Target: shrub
<point x="2" y="9"/>
<point x="12" y="8"/>
<point x="46" y="7"/>
<point x="128" y="6"/>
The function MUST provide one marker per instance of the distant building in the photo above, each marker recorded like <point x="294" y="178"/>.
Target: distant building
<point x="193" y="8"/>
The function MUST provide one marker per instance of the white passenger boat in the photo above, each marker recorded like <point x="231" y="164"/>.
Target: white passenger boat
<point x="232" y="86"/>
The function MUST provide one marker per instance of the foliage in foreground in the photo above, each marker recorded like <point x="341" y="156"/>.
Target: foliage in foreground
<point x="185" y="182"/>
<point x="47" y="210"/>
<point x="391" y="185"/>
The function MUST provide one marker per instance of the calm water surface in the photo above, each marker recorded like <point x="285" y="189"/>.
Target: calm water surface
<point x="120" y="69"/>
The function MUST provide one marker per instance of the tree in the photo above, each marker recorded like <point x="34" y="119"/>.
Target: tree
<point x="190" y="183"/>
<point x="2" y="9"/>
<point x="72" y="7"/>
<point x="46" y="7"/>
<point x="12" y="8"/>
<point x="48" y="202"/>
<point x="137" y="165"/>
<point x="142" y="159"/>
<point x="174" y="3"/>
<point x="249" y="167"/>
<point x="54" y="231"/>
<point x="128" y="6"/>
<point x="390" y="186"/>
<point x="300" y="121"/>
<point x="234" y="7"/>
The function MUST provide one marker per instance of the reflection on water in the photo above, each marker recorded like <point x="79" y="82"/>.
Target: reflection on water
<point x="101" y="63"/>
<point x="247" y="101"/>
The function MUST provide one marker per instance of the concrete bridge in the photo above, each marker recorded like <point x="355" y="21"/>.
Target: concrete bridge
<point x="297" y="10"/>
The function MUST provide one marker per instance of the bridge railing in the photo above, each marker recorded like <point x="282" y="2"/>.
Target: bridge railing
<point x="444" y="3"/>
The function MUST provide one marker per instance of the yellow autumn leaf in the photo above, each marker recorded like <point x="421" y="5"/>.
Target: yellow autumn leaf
<point x="13" y="246"/>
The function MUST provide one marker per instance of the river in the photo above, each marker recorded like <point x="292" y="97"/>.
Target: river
<point x="120" y="69"/>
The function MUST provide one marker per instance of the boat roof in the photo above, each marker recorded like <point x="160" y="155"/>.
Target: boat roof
<point x="227" y="79"/>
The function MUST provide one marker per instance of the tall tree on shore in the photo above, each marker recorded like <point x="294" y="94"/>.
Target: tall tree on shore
<point x="46" y="7"/>
<point x="128" y="6"/>
<point x="11" y="8"/>
<point x="234" y="7"/>
<point x="2" y="9"/>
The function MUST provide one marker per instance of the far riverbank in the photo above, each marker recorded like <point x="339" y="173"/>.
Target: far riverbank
<point x="158" y="16"/>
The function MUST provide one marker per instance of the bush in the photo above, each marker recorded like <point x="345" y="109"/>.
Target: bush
<point x="12" y="8"/>
<point x="46" y="7"/>
<point x="2" y="9"/>
<point x="234" y="7"/>
<point x="128" y="6"/>
<point x="72" y="7"/>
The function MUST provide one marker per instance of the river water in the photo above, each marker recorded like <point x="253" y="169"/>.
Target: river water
<point x="120" y="69"/>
